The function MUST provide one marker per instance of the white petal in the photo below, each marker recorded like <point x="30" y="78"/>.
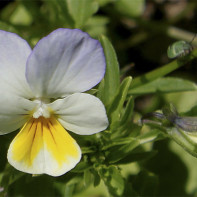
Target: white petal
<point x="43" y="146"/>
<point x="81" y="113"/>
<point x="14" y="112"/>
<point x="64" y="62"/>
<point x="14" y="52"/>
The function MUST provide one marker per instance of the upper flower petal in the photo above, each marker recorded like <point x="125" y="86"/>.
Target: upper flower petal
<point x="14" y="112"/>
<point x="66" y="61"/>
<point x="81" y="113"/>
<point x="14" y="52"/>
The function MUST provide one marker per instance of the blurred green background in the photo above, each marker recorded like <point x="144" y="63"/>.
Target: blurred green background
<point x="140" y="32"/>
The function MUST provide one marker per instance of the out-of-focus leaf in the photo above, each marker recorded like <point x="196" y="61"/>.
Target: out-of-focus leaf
<point x="60" y="10"/>
<point x="81" y="167"/>
<point x="21" y="16"/>
<point x="186" y="141"/>
<point x="97" y="178"/>
<point x="104" y="2"/>
<point x="10" y="175"/>
<point x="32" y="186"/>
<point x="64" y="189"/>
<point x="146" y="184"/>
<point x="112" y="179"/>
<point x="96" y="26"/>
<point x="170" y="168"/>
<point x="109" y="86"/>
<point x="8" y="27"/>
<point x="88" y="179"/>
<point x="81" y="10"/>
<point x="131" y="8"/>
<point x="164" y="85"/>
<point x="135" y="156"/>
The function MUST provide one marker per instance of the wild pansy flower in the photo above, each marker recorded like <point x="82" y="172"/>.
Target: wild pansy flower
<point x="41" y="93"/>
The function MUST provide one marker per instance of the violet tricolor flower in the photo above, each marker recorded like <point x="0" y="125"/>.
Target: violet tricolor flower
<point x="41" y="93"/>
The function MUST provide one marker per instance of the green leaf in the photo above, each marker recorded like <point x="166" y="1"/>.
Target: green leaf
<point x="126" y="117"/>
<point x="81" y="167"/>
<point x="186" y="141"/>
<point x="81" y="10"/>
<point x="116" y="107"/>
<point x="10" y="175"/>
<point x="112" y="179"/>
<point x="121" y="151"/>
<point x="131" y="8"/>
<point x="164" y="85"/>
<point x="87" y="178"/>
<point x="109" y="86"/>
<point x="8" y="27"/>
<point x="135" y="156"/>
<point x="21" y="16"/>
<point x="146" y="184"/>
<point x="61" y="9"/>
<point x="104" y="2"/>
<point x="97" y="178"/>
<point x="96" y="26"/>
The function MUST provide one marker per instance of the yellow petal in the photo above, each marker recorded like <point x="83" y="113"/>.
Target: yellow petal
<point x="44" y="146"/>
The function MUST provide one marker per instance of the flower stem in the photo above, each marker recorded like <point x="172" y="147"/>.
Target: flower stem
<point x="162" y="71"/>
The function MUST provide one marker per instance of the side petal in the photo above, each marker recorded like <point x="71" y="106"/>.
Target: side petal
<point x="14" y="52"/>
<point x="44" y="146"/>
<point x="14" y="112"/>
<point x="64" y="62"/>
<point x="81" y="113"/>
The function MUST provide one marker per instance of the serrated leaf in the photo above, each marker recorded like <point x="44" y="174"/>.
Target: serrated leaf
<point x="81" y="10"/>
<point x="164" y="85"/>
<point x="109" y="86"/>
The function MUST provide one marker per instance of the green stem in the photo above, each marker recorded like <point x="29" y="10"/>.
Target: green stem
<point x="162" y="71"/>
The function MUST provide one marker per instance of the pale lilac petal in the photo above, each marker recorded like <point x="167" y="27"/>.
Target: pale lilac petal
<point x="14" y="52"/>
<point x="64" y="62"/>
<point x="81" y="113"/>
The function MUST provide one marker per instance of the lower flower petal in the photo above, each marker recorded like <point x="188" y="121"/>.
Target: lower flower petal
<point x="44" y="146"/>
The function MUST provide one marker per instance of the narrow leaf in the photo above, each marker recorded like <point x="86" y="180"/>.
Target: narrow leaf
<point x="164" y="85"/>
<point x="118" y="102"/>
<point x="110" y="84"/>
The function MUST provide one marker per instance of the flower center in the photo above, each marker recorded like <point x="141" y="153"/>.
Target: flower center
<point x="42" y="110"/>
